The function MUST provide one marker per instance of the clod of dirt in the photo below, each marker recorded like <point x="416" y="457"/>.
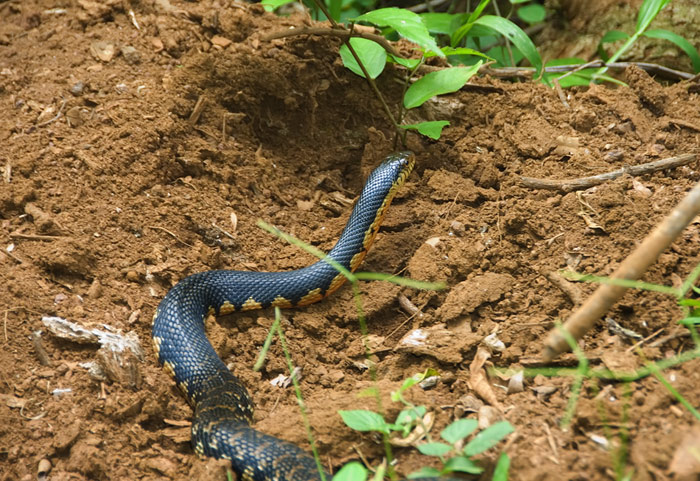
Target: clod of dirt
<point x="467" y="296"/>
<point x="446" y="345"/>
<point x="650" y="92"/>
<point x="69" y="257"/>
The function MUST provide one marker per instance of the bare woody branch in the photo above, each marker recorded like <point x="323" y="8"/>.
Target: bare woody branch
<point x="631" y="268"/>
<point x="587" y="182"/>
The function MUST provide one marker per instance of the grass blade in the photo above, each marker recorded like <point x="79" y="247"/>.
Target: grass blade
<point x="680" y="42"/>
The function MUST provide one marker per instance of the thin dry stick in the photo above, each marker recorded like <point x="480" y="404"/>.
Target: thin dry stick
<point x="36" y="237"/>
<point x="527" y="72"/>
<point x="631" y="268"/>
<point x="587" y="182"/>
<point x="155" y="227"/>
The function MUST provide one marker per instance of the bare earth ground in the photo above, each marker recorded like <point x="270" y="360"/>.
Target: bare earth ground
<point x="111" y="203"/>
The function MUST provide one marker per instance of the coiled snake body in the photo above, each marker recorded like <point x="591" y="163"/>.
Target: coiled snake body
<point x="222" y="406"/>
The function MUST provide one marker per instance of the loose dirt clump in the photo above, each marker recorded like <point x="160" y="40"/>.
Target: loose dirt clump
<point x="142" y="142"/>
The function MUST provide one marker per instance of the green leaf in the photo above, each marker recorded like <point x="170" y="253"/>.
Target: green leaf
<point x="614" y="36"/>
<point x="271" y="5"/>
<point x="459" y="429"/>
<point x="502" y="55"/>
<point x="610" y="37"/>
<point x="442" y="23"/>
<point x="462" y="464"/>
<point x="690" y="321"/>
<point x="500" y="473"/>
<point x="409" y="415"/>
<point x="353" y="471"/>
<point x="432" y="129"/>
<point x="515" y="34"/>
<point x="334" y="8"/>
<point x="533" y="13"/>
<point x="438" y="83"/>
<point x="462" y="31"/>
<point x="363" y="420"/>
<point x="409" y="63"/>
<point x="408" y="24"/>
<point x="689" y="302"/>
<point x="680" y="42"/>
<point x="434" y="449"/>
<point x="478" y="10"/>
<point x="488" y="438"/>
<point x="424" y="473"/>
<point x="371" y="54"/>
<point x="648" y="12"/>
<point x="459" y="51"/>
<point x="515" y="2"/>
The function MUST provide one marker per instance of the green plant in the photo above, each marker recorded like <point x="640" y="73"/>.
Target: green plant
<point x="449" y="450"/>
<point x="648" y="11"/>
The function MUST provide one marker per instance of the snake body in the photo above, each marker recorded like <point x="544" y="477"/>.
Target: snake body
<point x="223" y="408"/>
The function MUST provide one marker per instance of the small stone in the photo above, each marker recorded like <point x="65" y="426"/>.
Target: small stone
<point x="132" y="276"/>
<point x="131" y="55"/>
<point x="95" y="290"/>
<point x="102" y="50"/>
<point x="77" y="88"/>
<point x="219" y="41"/>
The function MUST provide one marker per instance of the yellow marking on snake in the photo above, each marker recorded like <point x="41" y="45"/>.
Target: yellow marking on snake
<point x="337" y="281"/>
<point x="226" y="308"/>
<point x="169" y="367"/>
<point x="282" y="303"/>
<point x="156" y="344"/>
<point x="314" y="295"/>
<point x="250" y="305"/>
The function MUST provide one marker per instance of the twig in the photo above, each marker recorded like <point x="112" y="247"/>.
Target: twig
<point x="528" y="72"/>
<point x="587" y="182"/>
<point x="334" y="32"/>
<point x="12" y="256"/>
<point x="197" y="110"/>
<point x="41" y="353"/>
<point x="53" y="119"/>
<point x="570" y="72"/>
<point x="631" y="268"/>
<point x="642" y="341"/>
<point x="155" y="227"/>
<point x="570" y="289"/>
<point x="683" y="123"/>
<point x="37" y="237"/>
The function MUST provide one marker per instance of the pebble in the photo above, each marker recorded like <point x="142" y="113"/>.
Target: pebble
<point x="131" y="55"/>
<point x="77" y="88"/>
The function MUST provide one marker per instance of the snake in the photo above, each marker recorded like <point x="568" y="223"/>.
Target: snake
<point x="223" y="408"/>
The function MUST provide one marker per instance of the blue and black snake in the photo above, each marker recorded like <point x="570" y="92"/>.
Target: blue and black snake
<point x="223" y="408"/>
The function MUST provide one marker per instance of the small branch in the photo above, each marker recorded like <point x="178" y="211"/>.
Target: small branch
<point x="333" y="32"/>
<point x="632" y="268"/>
<point x="36" y="237"/>
<point x="155" y="227"/>
<point x="528" y="72"/>
<point x="587" y="182"/>
<point x="39" y="350"/>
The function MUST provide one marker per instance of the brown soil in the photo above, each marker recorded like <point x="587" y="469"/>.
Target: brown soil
<point x="113" y="201"/>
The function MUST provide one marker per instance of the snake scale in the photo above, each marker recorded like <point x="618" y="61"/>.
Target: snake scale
<point x="223" y="407"/>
